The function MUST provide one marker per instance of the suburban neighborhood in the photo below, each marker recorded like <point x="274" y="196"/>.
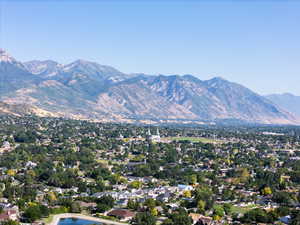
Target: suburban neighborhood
<point x="146" y="174"/>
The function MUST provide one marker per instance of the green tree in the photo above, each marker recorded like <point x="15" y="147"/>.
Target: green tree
<point x="150" y="203"/>
<point x="181" y="217"/>
<point x="257" y="215"/>
<point x="131" y="204"/>
<point x="266" y="191"/>
<point x="201" y="206"/>
<point x="35" y="212"/>
<point x="227" y="208"/>
<point x="218" y="210"/>
<point x="135" y="184"/>
<point x="105" y="203"/>
<point x="144" y="218"/>
<point x="154" y="212"/>
<point x="295" y="218"/>
<point x="10" y="222"/>
<point x="75" y="207"/>
<point x="167" y="222"/>
<point x="284" y="198"/>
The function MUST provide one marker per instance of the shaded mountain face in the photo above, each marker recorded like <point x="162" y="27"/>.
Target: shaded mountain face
<point x="88" y="90"/>
<point x="286" y="101"/>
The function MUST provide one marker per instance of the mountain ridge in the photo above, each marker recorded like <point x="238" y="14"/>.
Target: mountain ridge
<point x="88" y="90"/>
<point x="286" y="100"/>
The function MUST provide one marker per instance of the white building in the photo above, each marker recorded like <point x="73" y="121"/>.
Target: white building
<point x="153" y="138"/>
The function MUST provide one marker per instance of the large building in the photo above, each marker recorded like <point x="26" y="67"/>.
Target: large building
<point x="153" y="138"/>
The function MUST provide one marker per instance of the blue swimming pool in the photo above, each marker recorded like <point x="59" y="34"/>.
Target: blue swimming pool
<point x="75" y="221"/>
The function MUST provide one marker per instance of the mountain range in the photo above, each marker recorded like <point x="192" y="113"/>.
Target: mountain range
<point x="287" y="101"/>
<point x="88" y="90"/>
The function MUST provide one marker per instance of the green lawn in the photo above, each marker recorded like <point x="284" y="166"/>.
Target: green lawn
<point x="48" y="219"/>
<point x="196" y="139"/>
<point x="243" y="210"/>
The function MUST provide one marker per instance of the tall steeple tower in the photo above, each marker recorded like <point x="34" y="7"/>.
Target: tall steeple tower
<point x="148" y="135"/>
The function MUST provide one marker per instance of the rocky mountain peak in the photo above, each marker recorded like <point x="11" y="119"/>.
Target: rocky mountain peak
<point x="5" y="57"/>
<point x="39" y="67"/>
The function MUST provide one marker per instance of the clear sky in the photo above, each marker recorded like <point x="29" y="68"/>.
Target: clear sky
<point x="255" y="43"/>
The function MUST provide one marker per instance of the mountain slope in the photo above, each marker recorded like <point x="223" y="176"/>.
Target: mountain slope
<point x="16" y="110"/>
<point x="46" y="68"/>
<point x="208" y="100"/>
<point x="81" y="75"/>
<point x="14" y="75"/>
<point x="133" y="98"/>
<point x="287" y="101"/>
<point x="88" y="90"/>
<point x="242" y="103"/>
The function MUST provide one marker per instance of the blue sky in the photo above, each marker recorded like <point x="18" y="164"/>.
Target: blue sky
<point x="255" y="43"/>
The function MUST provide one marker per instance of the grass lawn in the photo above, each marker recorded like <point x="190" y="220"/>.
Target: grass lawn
<point x="196" y="139"/>
<point x="48" y="219"/>
<point x="243" y="210"/>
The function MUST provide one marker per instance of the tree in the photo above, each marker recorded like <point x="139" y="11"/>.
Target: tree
<point x="187" y="194"/>
<point x="295" y="218"/>
<point x="227" y="208"/>
<point x="144" y="218"/>
<point x="135" y="184"/>
<point x="51" y="197"/>
<point x="10" y="222"/>
<point x="193" y="179"/>
<point x="218" y="211"/>
<point x="266" y="191"/>
<point x="154" y="212"/>
<point x="257" y="215"/>
<point x="181" y="217"/>
<point x="35" y="211"/>
<point x="216" y="217"/>
<point x="106" y="200"/>
<point x="284" y="198"/>
<point x="101" y="208"/>
<point x="167" y="222"/>
<point x="205" y="194"/>
<point x="150" y="203"/>
<point x="131" y="204"/>
<point x="75" y="207"/>
<point x="282" y="211"/>
<point x="105" y="203"/>
<point x="201" y="206"/>
<point x="11" y="172"/>
<point x="244" y="175"/>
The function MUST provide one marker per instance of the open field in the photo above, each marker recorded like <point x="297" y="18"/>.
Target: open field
<point x="243" y="210"/>
<point x="196" y="139"/>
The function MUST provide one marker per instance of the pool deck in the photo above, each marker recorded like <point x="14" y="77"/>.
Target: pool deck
<point x="57" y="217"/>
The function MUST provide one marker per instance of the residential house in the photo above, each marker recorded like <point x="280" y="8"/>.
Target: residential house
<point x="122" y="214"/>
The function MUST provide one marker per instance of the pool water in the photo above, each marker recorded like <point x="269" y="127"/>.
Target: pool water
<point x="75" y="221"/>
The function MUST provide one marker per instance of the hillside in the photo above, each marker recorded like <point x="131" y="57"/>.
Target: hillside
<point x="287" y="101"/>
